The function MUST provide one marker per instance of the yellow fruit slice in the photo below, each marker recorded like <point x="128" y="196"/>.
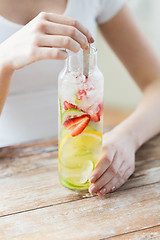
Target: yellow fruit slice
<point x="92" y="134"/>
<point x="79" y="146"/>
<point x="78" y="155"/>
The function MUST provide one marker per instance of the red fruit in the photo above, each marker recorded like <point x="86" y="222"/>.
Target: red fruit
<point x="95" y="117"/>
<point x="68" y="105"/>
<point x="80" y="94"/>
<point x="100" y="112"/>
<point x="76" y="125"/>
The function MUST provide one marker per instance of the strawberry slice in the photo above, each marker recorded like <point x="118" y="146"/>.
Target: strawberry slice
<point x="68" y="105"/>
<point x="95" y="117"/>
<point x="80" y="94"/>
<point x="100" y="112"/>
<point x="76" y="125"/>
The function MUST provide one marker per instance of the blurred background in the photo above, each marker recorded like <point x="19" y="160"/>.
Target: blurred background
<point x="121" y="93"/>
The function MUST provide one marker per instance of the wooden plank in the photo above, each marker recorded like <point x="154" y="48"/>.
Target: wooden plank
<point x="90" y="218"/>
<point x="29" y="149"/>
<point x="149" y="233"/>
<point x="37" y="185"/>
<point x="29" y="177"/>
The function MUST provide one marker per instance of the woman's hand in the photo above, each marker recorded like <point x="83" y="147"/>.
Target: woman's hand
<point x="116" y="165"/>
<point x="43" y="38"/>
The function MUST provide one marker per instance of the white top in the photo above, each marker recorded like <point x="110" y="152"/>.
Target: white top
<point x="30" y="111"/>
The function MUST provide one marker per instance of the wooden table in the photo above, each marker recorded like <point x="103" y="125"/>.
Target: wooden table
<point x="34" y="205"/>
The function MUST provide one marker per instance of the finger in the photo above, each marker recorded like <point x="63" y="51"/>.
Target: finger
<point x="115" y="182"/>
<point x="107" y="176"/>
<point x="69" y="21"/>
<point x="59" y="29"/>
<point x="121" y="181"/>
<point x="49" y="53"/>
<point x="59" y="42"/>
<point x="111" y="186"/>
<point x="103" y="164"/>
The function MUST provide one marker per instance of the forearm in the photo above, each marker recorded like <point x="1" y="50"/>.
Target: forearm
<point x="144" y="122"/>
<point x="5" y="79"/>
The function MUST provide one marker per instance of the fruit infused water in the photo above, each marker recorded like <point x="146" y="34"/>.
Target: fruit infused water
<point x="80" y="119"/>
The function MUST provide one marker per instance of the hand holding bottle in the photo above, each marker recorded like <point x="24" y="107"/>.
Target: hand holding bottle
<point x="116" y="165"/>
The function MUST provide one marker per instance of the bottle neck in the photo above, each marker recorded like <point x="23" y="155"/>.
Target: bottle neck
<point x="75" y="62"/>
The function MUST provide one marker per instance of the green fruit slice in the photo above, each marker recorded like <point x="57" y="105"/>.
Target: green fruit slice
<point x="60" y="109"/>
<point x="71" y="113"/>
<point x="78" y="176"/>
<point x="81" y="176"/>
<point x="73" y="186"/>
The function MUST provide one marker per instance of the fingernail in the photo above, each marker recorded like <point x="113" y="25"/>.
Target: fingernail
<point x="91" y="39"/>
<point x="99" y="194"/>
<point x="113" y="189"/>
<point x="92" y="189"/>
<point x="92" y="179"/>
<point x="103" y="190"/>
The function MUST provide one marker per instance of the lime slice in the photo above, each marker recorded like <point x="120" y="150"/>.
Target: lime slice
<point x="60" y="109"/>
<point x="78" y="176"/>
<point x="86" y="171"/>
<point x="73" y="186"/>
<point x="70" y="113"/>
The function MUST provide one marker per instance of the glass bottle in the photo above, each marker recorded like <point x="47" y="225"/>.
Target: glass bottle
<point x="80" y="120"/>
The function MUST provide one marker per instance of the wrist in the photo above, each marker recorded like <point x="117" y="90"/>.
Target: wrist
<point x="6" y="73"/>
<point x="5" y="62"/>
<point x="128" y="135"/>
<point x="6" y="68"/>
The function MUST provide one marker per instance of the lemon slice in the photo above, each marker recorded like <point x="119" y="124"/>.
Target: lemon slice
<point x="72" y="149"/>
<point x="78" y="156"/>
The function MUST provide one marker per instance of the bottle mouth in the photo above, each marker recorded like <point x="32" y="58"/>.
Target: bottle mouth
<point x="82" y="61"/>
<point x="88" y="57"/>
<point x="93" y="50"/>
